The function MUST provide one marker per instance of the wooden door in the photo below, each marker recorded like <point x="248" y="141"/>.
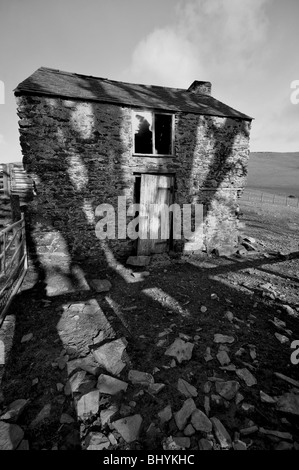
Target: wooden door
<point x="155" y="191"/>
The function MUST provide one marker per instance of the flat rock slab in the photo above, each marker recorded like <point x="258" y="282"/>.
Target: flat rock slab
<point x="26" y="338"/>
<point x="7" y="335"/>
<point x="230" y="367"/>
<point x="265" y="398"/>
<point x="43" y="415"/>
<point x="290" y="311"/>
<point x="247" y="376"/>
<point x="138" y="260"/>
<point x="141" y="378"/>
<point x="186" y="389"/>
<point x="181" y="350"/>
<point x="107" y="415"/>
<point x="88" y="405"/>
<point x="219" y="338"/>
<point x="140" y="276"/>
<point x="61" y="362"/>
<point x="287" y="379"/>
<point x="80" y="323"/>
<point x="182" y="416"/>
<point x="223" y="347"/>
<point x="286" y="436"/>
<point x="289" y="403"/>
<point x="169" y="444"/>
<point x="79" y="383"/>
<point x="229" y="315"/>
<point x="239" y="445"/>
<point x="165" y="415"/>
<point x="227" y="390"/>
<point x="24" y="445"/>
<point x="205" y="444"/>
<point x="109" y="355"/>
<point x="285" y="446"/>
<point x="217" y="399"/>
<point x="10" y="436"/>
<point x="128" y="427"/>
<point x="155" y="388"/>
<point x="223" y="358"/>
<point x="249" y="240"/>
<point x="221" y="434"/>
<point x="110" y="385"/>
<point x="2" y="353"/>
<point x="207" y="387"/>
<point x="200" y="421"/>
<point x="74" y="383"/>
<point x="101" y="285"/>
<point x="206" y="405"/>
<point x="96" y="441"/>
<point x="208" y="357"/>
<point x="282" y="338"/>
<point x="14" y="410"/>
<point x="189" y="430"/>
<point x="248" y="431"/>
<point x="182" y="442"/>
<point x="88" y="364"/>
<point x="248" y="407"/>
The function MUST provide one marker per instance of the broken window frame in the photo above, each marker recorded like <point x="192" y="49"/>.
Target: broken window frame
<point x="153" y="113"/>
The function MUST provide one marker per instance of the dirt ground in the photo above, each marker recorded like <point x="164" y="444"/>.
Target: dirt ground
<point x="151" y="312"/>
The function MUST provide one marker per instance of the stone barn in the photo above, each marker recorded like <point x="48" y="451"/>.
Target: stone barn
<point x="88" y="141"/>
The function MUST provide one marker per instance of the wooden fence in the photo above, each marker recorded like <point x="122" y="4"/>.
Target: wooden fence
<point x="15" y="181"/>
<point x="268" y="198"/>
<point x="13" y="262"/>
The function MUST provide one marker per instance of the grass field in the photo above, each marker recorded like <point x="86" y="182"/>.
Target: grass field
<point x="274" y="172"/>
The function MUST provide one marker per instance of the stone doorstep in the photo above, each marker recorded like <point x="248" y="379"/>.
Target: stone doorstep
<point x="138" y="260"/>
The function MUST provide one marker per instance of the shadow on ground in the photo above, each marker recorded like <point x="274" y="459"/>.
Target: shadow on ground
<point x="151" y="312"/>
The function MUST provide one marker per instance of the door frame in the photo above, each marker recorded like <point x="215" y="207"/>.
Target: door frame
<point x="138" y="175"/>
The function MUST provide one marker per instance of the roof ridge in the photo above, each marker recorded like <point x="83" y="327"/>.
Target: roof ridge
<point x="64" y="72"/>
<point x="54" y="82"/>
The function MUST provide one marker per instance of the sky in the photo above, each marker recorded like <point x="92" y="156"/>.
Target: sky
<point x="248" y="49"/>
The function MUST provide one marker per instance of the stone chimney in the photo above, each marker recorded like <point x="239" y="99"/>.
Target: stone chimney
<point x="200" y="87"/>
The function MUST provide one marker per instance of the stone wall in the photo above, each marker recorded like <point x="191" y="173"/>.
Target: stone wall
<point x="80" y="155"/>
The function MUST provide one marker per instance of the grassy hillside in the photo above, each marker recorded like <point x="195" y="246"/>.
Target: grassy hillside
<point x="274" y="172"/>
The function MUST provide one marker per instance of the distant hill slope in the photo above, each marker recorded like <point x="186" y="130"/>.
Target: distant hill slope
<point x="274" y="172"/>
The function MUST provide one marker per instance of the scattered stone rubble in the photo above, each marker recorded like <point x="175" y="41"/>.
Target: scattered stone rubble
<point x="106" y="425"/>
<point x="107" y="393"/>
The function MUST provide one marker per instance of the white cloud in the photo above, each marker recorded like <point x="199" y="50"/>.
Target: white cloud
<point x="233" y="44"/>
<point x="164" y="57"/>
<point x="208" y="38"/>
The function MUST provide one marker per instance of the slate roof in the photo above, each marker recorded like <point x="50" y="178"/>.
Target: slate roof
<point x="52" y="82"/>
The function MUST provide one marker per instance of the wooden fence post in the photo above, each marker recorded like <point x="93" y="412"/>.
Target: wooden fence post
<point x="6" y="180"/>
<point x="16" y="215"/>
<point x="15" y="207"/>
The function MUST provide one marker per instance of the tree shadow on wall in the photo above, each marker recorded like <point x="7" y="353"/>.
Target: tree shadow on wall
<point x="87" y="163"/>
<point x="71" y="159"/>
